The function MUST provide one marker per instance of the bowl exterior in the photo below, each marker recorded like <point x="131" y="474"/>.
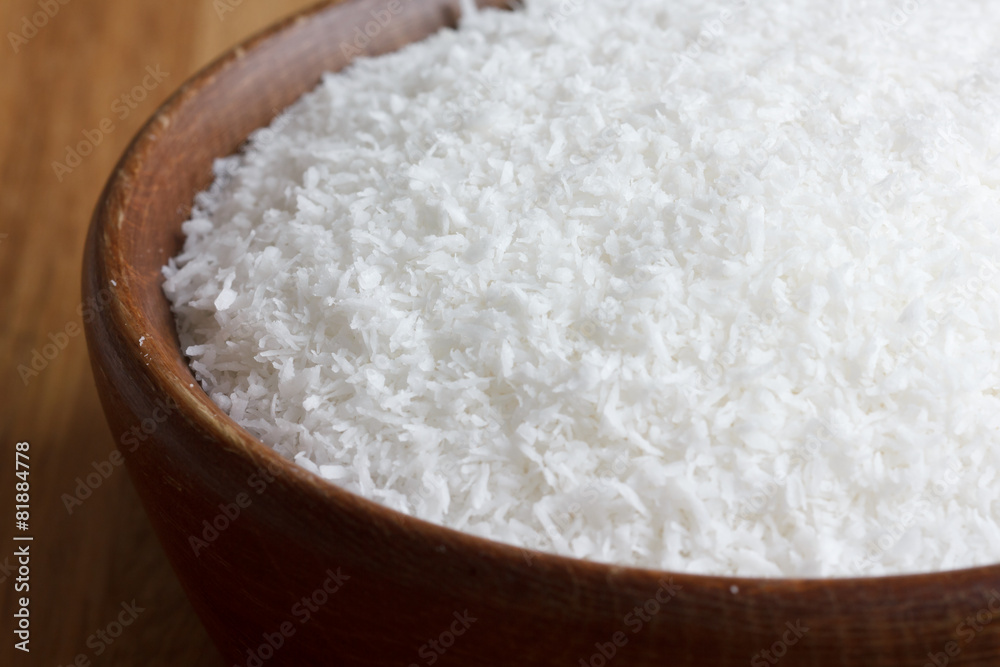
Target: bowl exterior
<point x="285" y="569"/>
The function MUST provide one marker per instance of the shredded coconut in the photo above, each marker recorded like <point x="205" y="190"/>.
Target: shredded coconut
<point x="702" y="286"/>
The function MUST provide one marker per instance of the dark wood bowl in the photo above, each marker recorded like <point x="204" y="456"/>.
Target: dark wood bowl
<point x="409" y="592"/>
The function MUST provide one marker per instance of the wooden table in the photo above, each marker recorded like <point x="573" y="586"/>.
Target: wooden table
<point x="87" y="78"/>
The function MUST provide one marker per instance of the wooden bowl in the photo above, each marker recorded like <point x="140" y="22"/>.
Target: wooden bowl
<point x="285" y="568"/>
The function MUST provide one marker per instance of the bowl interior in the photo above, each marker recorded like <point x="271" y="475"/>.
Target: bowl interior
<point x="137" y="229"/>
<point x="139" y="217"/>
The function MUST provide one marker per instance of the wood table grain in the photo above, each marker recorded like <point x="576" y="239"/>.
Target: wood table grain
<point x="77" y="80"/>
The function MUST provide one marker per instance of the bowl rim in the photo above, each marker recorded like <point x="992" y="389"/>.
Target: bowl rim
<point x="126" y="316"/>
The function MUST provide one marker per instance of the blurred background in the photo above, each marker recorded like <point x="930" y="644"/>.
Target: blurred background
<point x="77" y="81"/>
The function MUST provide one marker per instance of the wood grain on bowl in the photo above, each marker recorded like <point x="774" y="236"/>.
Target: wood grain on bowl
<point x="285" y="568"/>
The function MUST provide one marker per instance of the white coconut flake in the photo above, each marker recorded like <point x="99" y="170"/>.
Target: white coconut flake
<point x="702" y="286"/>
